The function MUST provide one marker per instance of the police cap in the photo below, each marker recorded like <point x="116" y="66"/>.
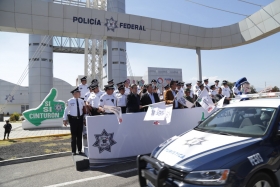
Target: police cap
<point x="75" y="90"/>
<point x="110" y="81"/>
<point x="94" y="81"/>
<point x="106" y="87"/>
<point x="154" y="80"/>
<point x="121" y="87"/>
<point x="84" y="78"/>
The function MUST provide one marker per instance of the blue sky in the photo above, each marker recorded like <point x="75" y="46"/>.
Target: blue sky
<point x="259" y="61"/>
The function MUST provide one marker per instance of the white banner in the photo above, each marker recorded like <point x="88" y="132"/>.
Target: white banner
<point x="206" y="101"/>
<point x="108" y="142"/>
<point x="116" y="110"/>
<point x="155" y="111"/>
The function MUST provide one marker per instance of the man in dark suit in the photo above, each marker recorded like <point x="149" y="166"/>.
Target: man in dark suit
<point x="149" y="98"/>
<point x="133" y="100"/>
<point x="170" y="95"/>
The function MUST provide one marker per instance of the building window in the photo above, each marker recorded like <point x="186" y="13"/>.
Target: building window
<point x="51" y="46"/>
<point x="115" y="62"/>
<point x="115" y="49"/>
<point x="30" y="44"/>
<point x="43" y="44"/>
<point x="35" y="43"/>
<point x="50" y="60"/>
<point x="121" y="49"/>
<point x="44" y="59"/>
<point x="122" y="63"/>
<point x="35" y="59"/>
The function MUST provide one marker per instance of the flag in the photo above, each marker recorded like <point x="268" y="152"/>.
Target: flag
<point x="206" y="101"/>
<point x="155" y="111"/>
<point x="116" y="110"/>
<point x="221" y="103"/>
<point x="180" y="98"/>
<point x="168" y="113"/>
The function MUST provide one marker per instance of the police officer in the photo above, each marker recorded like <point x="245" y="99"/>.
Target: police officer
<point x="206" y="84"/>
<point x="217" y="85"/>
<point x="108" y="99"/>
<point x="83" y="87"/>
<point x="73" y="114"/>
<point x="93" y="82"/>
<point x="126" y="87"/>
<point x="93" y="100"/>
<point x="121" y="99"/>
<point x="225" y="89"/>
<point x="213" y="92"/>
<point x="189" y="86"/>
<point x="116" y="91"/>
<point x="196" y="87"/>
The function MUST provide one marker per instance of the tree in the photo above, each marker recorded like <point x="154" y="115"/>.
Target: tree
<point x="253" y="89"/>
<point x="275" y="89"/>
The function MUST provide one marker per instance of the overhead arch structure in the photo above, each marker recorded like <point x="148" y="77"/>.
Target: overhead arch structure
<point x="47" y="18"/>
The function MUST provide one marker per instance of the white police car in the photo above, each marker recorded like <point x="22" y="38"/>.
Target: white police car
<point x="236" y="146"/>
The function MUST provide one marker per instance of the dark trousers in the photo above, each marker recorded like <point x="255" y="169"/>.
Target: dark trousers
<point x="76" y="128"/>
<point x="123" y="109"/>
<point x="6" y="132"/>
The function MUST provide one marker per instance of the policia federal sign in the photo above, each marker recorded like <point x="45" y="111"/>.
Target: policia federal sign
<point x="111" y="24"/>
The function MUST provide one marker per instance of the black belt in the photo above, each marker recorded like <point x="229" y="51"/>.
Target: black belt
<point x="75" y="117"/>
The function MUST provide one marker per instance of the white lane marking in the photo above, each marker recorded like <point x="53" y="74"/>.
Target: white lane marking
<point x="92" y="178"/>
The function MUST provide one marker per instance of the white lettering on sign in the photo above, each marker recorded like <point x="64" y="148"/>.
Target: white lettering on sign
<point x="255" y="159"/>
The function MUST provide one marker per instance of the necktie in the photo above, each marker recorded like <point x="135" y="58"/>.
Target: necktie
<point x="78" y="108"/>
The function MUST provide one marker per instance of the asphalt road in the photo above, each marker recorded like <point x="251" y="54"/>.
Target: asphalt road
<point x="61" y="172"/>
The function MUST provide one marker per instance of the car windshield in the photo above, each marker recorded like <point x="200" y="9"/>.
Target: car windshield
<point x="239" y="121"/>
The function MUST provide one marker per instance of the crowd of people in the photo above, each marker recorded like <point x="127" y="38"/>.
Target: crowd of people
<point x="131" y="98"/>
<point x="135" y="98"/>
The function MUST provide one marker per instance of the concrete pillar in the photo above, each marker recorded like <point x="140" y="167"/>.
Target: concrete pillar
<point x="198" y="53"/>
<point x="40" y="68"/>
<point x="116" y="51"/>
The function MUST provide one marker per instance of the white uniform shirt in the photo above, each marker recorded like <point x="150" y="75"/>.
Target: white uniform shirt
<point x="127" y="91"/>
<point x="71" y="107"/>
<point x="217" y="87"/>
<point x="195" y="89"/>
<point x="94" y="99"/>
<point x="235" y="90"/>
<point x="83" y="89"/>
<point x="116" y="93"/>
<point x="213" y="92"/>
<point x="206" y="85"/>
<point x="109" y="100"/>
<point x="87" y="95"/>
<point x="191" y="93"/>
<point x="199" y="92"/>
<point x="121" y="100"/>
<point x="226" y="91"/>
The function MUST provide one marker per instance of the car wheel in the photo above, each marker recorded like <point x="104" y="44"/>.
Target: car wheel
<point x="260" y="180"/>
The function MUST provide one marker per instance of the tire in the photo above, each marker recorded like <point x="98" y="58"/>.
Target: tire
<point x="259" y="180"/>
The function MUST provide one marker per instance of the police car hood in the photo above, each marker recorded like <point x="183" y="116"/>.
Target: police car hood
<point x="196" y="149"/>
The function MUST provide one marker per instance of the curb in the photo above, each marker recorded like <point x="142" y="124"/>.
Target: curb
<point x="31" y="137"/>
<point x="34" y="158"/>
